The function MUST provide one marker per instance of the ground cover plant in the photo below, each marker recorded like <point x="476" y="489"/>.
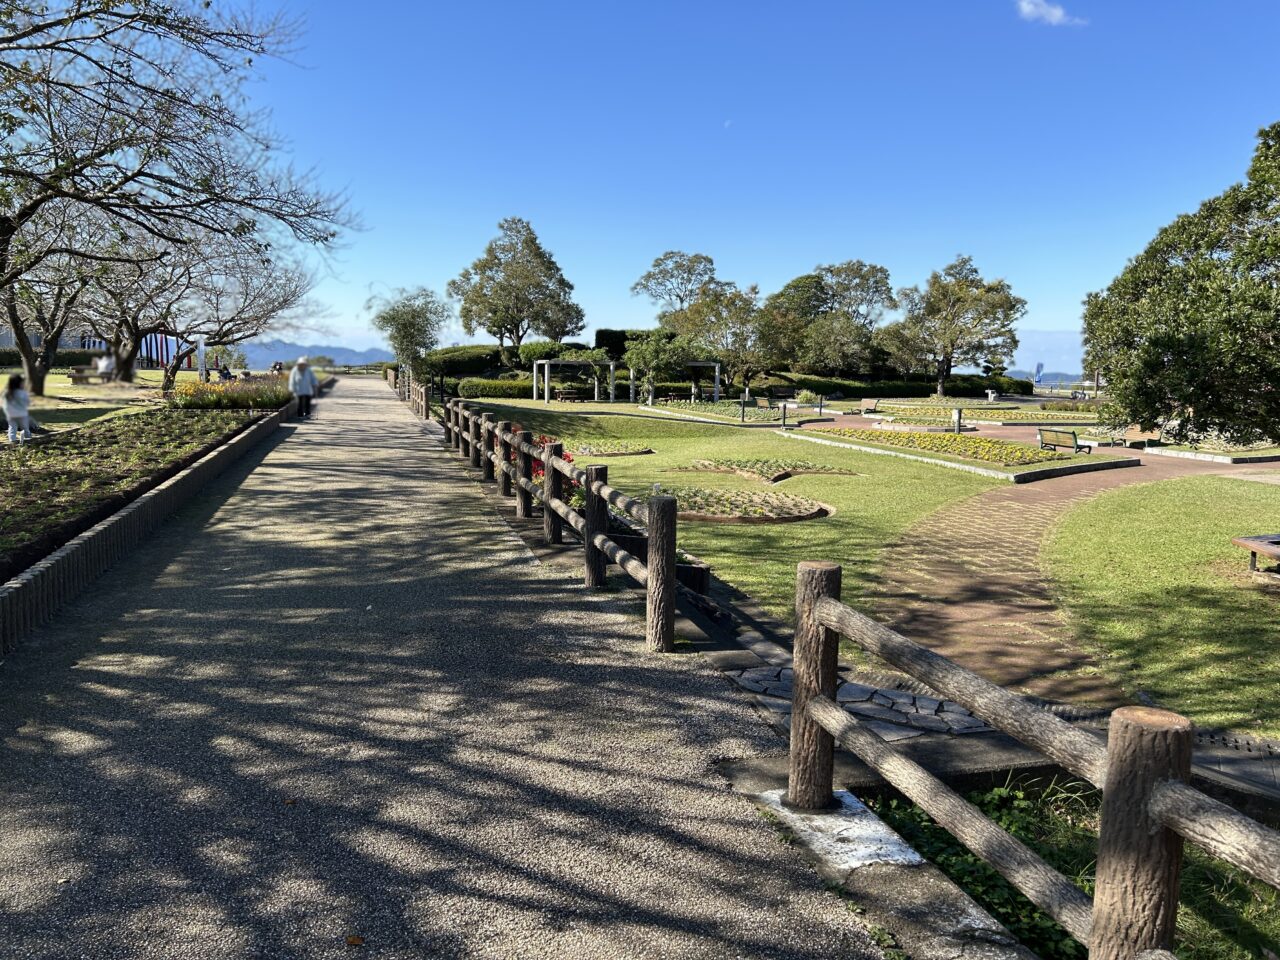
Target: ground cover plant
<point x="55" y="489"/>
<point x="261" y="393"/>
<point x="1224" y="915"/>
<point x="743" y="504"/>
<point x="770" y="468"/>
<point x="871" y="510"/>
<point x="1005" y="415"/>
<point x="604" y="446"/>
<point x="724" y="409"/>
<point x="1004" y="453"/>
<point x="1166" y="599"/>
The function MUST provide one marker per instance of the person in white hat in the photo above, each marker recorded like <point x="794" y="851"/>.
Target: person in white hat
<point x="303" y="385"/>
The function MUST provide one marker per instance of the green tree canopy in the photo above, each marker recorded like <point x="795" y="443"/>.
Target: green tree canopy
<point x="724" y="322"/>
<point x="675" y="279"/>
<point x="959" y="318"/>
<point x="411" y="321"/>
<point x="786" y="316"/>
<point x="657" y="354"/>
<point x="516" y="287"/>
<point x="1187" y="337"/>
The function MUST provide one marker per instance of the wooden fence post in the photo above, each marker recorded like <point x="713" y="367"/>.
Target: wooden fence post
<point x="486" y="447"/>
<point x="475" y="440"/>
<point x="524" y="470"/>
<point x="464" y="430"/>
<point x="814" y="663"/>
<point x="552" y="489"/>
<point x="457" y="424"/>
<point x="446" y="416"/>
<point x="504" y="454"/>
<point x="1135" y="906"/>
<point x="596" y="514"/>
<point x="660" y="607"/>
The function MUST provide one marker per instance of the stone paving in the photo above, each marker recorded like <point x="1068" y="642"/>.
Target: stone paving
<point x="335" y="708"/>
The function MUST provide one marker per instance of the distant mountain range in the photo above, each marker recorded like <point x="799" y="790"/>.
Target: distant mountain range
<point x="1049" y="376"/>
<point x="263" y="353"/>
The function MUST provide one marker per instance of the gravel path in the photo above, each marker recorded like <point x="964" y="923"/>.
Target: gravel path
<point x="335" y="698"/>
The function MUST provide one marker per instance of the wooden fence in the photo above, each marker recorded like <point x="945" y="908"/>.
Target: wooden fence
<point x="1142" y="769"/>
<point x="507" y="457"/>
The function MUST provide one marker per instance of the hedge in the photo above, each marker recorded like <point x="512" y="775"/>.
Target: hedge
<point x="536" y="350"/>
<point x="10" y="357"/>
<point x="961" y="385"/>
<point x="614" y="342"/>
<point x="473" y="387"/>
<point x="465" y="361"/>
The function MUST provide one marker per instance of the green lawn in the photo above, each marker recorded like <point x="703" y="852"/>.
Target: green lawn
<point x="1148" y="576"/>
<point x="871" y="509"/>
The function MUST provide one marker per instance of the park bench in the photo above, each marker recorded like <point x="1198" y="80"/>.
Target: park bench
<point x="84" y="375"/>
<point x="1053" y="439"/>
<point x="782" y="393"/>
<point x="869" y="406"/>
<point x="570" y="394"/>
<point x="1267" y="544"/>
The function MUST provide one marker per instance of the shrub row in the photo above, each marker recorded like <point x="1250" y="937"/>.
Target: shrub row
<point x="473" y="387"/>
<point x="10" y="357"/>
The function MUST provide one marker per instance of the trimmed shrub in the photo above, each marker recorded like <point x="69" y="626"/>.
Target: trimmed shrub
<point x="467" y="361"/>
<point x="474" y="387"/>
<point x="614" y="342"/>
<point x="62" y="360"/>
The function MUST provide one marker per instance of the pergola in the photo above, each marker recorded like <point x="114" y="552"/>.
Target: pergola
<point x="546" y="378"/>
<point x="692" y="363"/>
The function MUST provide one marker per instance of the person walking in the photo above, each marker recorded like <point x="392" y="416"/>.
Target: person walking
<point x="17" y="408"/>
<point x="303" y="385"/>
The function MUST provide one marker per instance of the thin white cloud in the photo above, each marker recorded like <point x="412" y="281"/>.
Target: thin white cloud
<point x="1042" y="11"/>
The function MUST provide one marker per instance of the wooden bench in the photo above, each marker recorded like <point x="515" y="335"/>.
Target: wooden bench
<point x="570" y="395"/>
<point x="84" y="375"/>
<point x="1053" y="439"/>
<point x="1267" y="544"/>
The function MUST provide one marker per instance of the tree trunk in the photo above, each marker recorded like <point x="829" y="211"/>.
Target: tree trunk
<point x="944" y="371"/>
<point x="172" y="368"/>
<point x="127" y="358"/>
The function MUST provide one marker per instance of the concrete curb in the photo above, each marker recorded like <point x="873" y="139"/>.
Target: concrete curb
<point x="1209" y="457"/>
<point x="33" y="596"/>
<point x="1027" y="476"/>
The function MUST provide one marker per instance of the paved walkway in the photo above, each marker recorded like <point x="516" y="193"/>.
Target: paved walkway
<point x="967" y="580"/>
<point x="336" y="698"/>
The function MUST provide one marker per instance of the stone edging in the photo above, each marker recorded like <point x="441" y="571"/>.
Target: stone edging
<point x="1210" y="457"/>
<point x="1027" y="476"/>
<point x="33" y="596"/>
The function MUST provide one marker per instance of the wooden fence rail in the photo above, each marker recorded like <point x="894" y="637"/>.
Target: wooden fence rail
<point x="1148" y="806"/>
<point x="509" y="457"/>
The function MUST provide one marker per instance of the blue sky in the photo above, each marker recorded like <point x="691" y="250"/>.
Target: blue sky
<point x="1048" y="141"/>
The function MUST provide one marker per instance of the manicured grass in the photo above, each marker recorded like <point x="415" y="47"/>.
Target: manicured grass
<point x="728" y="410"/>
<point x="1148" y="575"/>
<point x="1223" y="915"/>
<point x="955" y="446"/>
<point x="870" y="510"/>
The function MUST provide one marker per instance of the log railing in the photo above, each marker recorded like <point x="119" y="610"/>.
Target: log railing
<point x="1142" y="769"/>
<point x="508" y="456"/>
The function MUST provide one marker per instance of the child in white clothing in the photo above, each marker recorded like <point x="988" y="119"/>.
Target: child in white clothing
<point x="17" y="408"/>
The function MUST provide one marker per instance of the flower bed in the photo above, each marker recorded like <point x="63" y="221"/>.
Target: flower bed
<point x="55" y="490"/>
<point x="725" y="409"/>
<point x="1004" y="453"/>
<point x="258" y="393"/>
<point x="933" y="414"/>
<point x="742" y="506"/>
<point x="774" y="470"/>
<point x="606" y="447"/>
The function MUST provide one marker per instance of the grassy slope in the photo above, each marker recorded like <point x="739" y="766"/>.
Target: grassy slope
<point x="1149" y="575"/>
<point x="1066" y="461"/>
<point x="870" y="510"/>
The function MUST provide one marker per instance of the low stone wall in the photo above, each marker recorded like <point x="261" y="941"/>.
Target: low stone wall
<point x="31" y="598"/>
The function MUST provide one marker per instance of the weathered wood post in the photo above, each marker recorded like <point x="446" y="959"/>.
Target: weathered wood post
<point x="447" y="417"/>
<point x="552" y="488"/>
<point x="596" y="514"/>
<point x="660" y="608"/>
<point x="475" y="440"/>
<point x="524" y="470"/>
<point x="504" y="454"/>
<point x="464" y="430"/>
<point x="486" y="446"/>
<point x="457" y="424"/>
<point x="1135" y="906"/>
<point x="814" y="662"/>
